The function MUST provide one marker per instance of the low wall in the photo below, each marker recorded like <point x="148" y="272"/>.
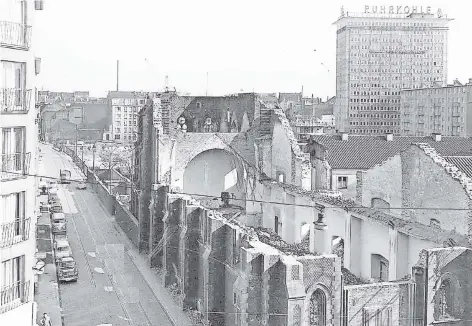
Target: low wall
<point x="127" y="222"/>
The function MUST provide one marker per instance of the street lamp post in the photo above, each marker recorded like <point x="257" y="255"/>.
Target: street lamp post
<point x="94" y="147"/>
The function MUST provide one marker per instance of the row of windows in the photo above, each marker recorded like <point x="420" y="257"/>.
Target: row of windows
<point x="374" y="108"/>
<point x="374" y="131"/>
<point x="374" y="123"/>
<point x="390" y="56"/>
<point x="399" y="38"/>
<point x="398" y="24"/>
<point x="374" y="100"/>
<point x="373" y="93"/>
<point x="375" y="115"/>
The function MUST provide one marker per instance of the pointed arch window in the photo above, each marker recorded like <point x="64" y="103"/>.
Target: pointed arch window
<point x="318" y="308"/>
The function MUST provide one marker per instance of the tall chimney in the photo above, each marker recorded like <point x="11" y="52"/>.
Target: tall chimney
<point x="117" y="75"/>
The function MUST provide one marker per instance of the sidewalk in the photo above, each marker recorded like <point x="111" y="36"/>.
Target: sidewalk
<point x="47" y="295"/>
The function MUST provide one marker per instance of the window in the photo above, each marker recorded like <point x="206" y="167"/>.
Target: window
<point x="14" y="226"/>
<point x="342" y="182"/>
<point x="12" y="281"/>
<point x="14" y="80"/>
<point x="318" y="308"/>
<point x="280" y="176"/>
<point x="444" y="301"/>
<point x="13" y="149"/>
<point x="277" y="225"/>
<point x="117" y="137"/>
<point x="379" y="268"/>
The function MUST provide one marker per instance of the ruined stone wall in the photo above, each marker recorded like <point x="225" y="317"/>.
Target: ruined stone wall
<point x="214" y="266"/>
<point x="451" y="265"/>
<point x="383" y="182"/>
<point x="426" y="184"/>
<point x="385" y="300"/>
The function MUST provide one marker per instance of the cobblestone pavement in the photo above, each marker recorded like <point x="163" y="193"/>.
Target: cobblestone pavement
<point x="110" y="289"/>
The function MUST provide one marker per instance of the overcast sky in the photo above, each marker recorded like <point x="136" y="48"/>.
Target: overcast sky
<point x="260" y="45"/>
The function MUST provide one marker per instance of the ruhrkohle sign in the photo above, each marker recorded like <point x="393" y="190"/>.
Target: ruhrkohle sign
<point x="399" y="10"/>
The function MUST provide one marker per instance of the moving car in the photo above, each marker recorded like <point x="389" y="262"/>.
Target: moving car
<point x="62" y="249"/>
<point x="67" y="269"/>
<point x="65" y="176"/>
<point x="59" y="225"/>
<point x="82" y="185"/>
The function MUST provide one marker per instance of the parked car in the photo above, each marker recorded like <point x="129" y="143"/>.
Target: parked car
<point x="82" y="185"/>
<point x="59" y="224"/>
<point x="56" y="207"/>
<point x="62" y="249"/>
<point x="67" y="269"/>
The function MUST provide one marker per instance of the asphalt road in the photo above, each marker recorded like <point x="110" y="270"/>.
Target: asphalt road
<point x="110" y="289"/>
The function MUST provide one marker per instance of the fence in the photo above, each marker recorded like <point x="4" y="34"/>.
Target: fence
<point x="127" y="222"/>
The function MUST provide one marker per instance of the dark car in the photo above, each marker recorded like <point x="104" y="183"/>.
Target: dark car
<point x="67" y="269"/>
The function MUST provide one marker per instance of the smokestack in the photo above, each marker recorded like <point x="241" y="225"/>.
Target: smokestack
<point x="117" y="75"/>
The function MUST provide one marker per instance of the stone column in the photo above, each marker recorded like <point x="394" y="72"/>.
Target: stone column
<point x="392" y="259"/>
<point x="347" y="240"/>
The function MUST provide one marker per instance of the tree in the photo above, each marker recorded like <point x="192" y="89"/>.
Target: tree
<point x="120" y="157"/>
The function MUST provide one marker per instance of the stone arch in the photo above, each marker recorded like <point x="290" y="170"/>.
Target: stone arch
<point x="205" y="173"/>
<point x="447" y="298"/>
<point x="318" y="306"/>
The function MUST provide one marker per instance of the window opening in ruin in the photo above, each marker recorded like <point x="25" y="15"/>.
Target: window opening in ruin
<point x="318" y="308"/>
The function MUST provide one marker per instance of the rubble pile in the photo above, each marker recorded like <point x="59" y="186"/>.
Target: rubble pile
<point x="268" y="237"/>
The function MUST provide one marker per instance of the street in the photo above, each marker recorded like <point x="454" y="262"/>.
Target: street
<point x="110" y="289"/>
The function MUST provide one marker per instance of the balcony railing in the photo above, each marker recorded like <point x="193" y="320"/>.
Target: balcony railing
<point x="15" y="35"/>
<point x="15" y="100"/>
<point x="14" y="166"/>
<point x="14" y="232"/>
<point x="14" y="295"/>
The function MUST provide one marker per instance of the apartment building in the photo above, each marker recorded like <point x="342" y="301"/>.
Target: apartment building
<point x="124" y="107"/>
<point x="18" y="139"/>
<point x="444" y="110"/>
<point x="378" y="53"/>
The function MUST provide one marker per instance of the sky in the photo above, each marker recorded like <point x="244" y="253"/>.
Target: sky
<point x="244" y="45"/>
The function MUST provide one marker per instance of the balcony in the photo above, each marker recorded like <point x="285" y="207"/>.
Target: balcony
<point x="14" y="166"/>
<point x="13" y="296"/>
<point x="15" y="35"/>
<point x="14" y="100"/>
<point x="14" y="232"/>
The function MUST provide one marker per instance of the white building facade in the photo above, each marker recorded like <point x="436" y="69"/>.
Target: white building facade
<point x="378" y="53"/>
<point x="18" y="140"/>
<point x="124" y="109"/>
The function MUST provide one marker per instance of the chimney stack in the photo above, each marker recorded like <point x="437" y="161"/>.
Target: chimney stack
<point x="389" y="137"/>
<point x="437" y="136"/>
<point x="344" y="136"/>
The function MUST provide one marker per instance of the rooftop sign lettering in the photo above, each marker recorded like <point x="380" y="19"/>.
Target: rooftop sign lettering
<point x="399" y="10"/>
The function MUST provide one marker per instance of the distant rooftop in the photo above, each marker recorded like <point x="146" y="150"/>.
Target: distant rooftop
<point x="364" y="152"/>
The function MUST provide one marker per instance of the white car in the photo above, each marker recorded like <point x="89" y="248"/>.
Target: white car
<point x="82" y="185"/>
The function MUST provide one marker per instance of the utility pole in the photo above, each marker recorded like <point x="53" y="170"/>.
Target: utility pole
<point x="76" y="136"/>
<point x="109" y="171"/>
